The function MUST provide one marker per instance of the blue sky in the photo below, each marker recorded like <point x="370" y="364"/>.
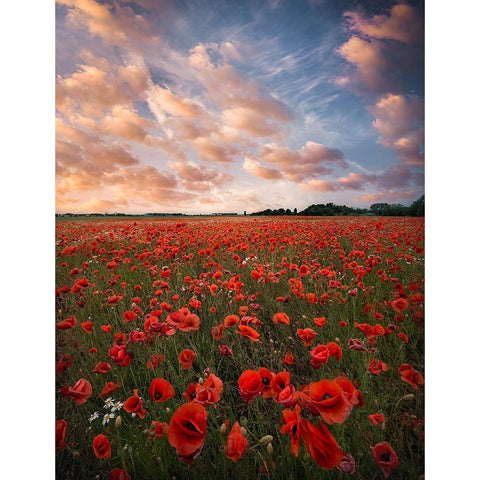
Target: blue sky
<point x="225" y="106"/>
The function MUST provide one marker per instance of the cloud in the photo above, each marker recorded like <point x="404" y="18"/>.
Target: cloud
<point x="399" y="120"/>
<point x="311" y="160"/>
<point x="195" y="177"/>
<point x="388" y="196"/>
<point x="253" y="167"/>
<point x="114" y="23"/>
<point x="403" y="24"/>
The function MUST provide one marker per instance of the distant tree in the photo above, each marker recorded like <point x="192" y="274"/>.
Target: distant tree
<point x="244" y="213"/>
<point x="417" y="208"/>
<point x="295" y="211"/>
<point x="288" y="211"/>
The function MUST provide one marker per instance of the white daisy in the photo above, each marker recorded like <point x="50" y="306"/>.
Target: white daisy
<point x="109" y="402"/>
<point x="93" y="416"/>
<point x="117" y="406"/>
<point x="107" y="417"/>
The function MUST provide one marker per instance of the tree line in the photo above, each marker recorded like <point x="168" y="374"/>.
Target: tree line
<point x="416" y="209"/>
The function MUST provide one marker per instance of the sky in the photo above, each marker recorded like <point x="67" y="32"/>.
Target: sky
<point x="207" y="106"/>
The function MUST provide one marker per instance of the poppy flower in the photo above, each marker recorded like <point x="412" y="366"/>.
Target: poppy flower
<point x="187" y="431"/>
<point x="87" y="326"/>
<point x="60" y="434"/>
<point x="118" y="474"/>
<point x="158" y="429"/>
<point x="288" y="359"/>
<point x="306" y="335"/>
<point x="155" y="361"/>
<point x="334" y="350"/>
<point x="119" y="354"/>
<point x="320" y="321"/>
<point x="327" y="398"/>
<point x="321" y="444"/>
<point x="184" y="320"/>
<point x="347" y="465"/>
<point x="250" y="384"/>
<point x="160" y="390"/>
<point x="102" y="367"/>
<point x="80" y="392"/>
<point x="210" y="391"/>
<point x="376" y="367"/>
<point x="101" y="446"/>
<point x="291" y="420"/>
<point x="282" y="318"/>
<point x="225" y="351"/>
<point x="319" y="356"/>
<point x="134" y="405"/>
<point x="186" y="358"/>
<point x="237" y="444"/>
<point x="217" y="331"/>
<point x="106" y="328"/>
<point x="64" y="363"/>
<point x="69" y="322"/>
<point x="248" y="332"/>
<point x="385" y="456"/>
<point x="109" y="388"/>
<point x="129" y="316"/>
<point x="230" y="320"/>
<point x="376" y="418"/>
<point x="400" y="305"/>
<point x="410" y="375"/>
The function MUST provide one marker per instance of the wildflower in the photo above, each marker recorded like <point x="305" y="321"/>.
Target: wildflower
<point x="160" y="390"/>
<point x="108" y="388"/>
<point x="101" y="446"/>
<point x="60" y="434"/>
<point x="134" y="405"/>
<point x="410" y="375"/>
<point x="186" y="358"/>
<point x="80" y="392"/>
<point x="187" y="431"/>
<point x="93" y="416"/>
<point x="117" y="406"/>
<point x="306" y="336"/>
<point x="108" y="402"/>
<point x="225" y="351"/>
<point x="237" y="444"/>
<point x="118" y="474"/>
<point x="248" y="332"/>
<point x="376" y="418"/>
<point x="107" y="417"/>
<point x="281" y="317"/>
<point x="385" y="456"/>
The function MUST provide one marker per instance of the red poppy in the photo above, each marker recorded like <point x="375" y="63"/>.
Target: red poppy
<point x="217" y="331"/>
<point x="288" y="359"/>
<point x="101" y="446"/>
<point x="291" y="420"/>
<point x="210" y="391"/>
<point x="327" y="398"/>
<point x="158" y="429"/>
<point x="237" y="444"/>
<point x="155" y="361"/>
<point x="321" y="444"/>
<point x="80" y="392"/>
<point x="118" y="474"/>
<point x="400" y="305"/>
<point x="306" y="336"/>
<point x="64" y="363"/>
<point x="87" y="326"/>
<point x="106" y="328"/>
<point x="376" y="418"/>
<point x="129" y="316"/>
<point x="334" y="350"/>
<point x="320" y="321"/>
<point x="109" y="388"/>
<point x="319" y="356"/>
<point x="187" y="431"/>
<point x="225" y="351"/>
<point x="376" y="367"/>
<point x="160" y="390"/>
<point x="134" y="405"/>
<point x="119" y="354"/>
<point x="248" y="332"/>
<point x="410" y="375"/>
<point x="250" y="384"/>
<point x="69" y="322"/>
<point x="102" y="367"/>
<point x="60" y="434"/>
<point x="184" y="320"/>
<point x="186" y="358"/>
<point x="385" y="456"/>
<point x="281" y="317"/>
<point x="403" y="337"/>
<point x="231" y="320"/>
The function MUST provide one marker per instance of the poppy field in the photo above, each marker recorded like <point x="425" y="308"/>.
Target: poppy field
<point x="239" y="347"/>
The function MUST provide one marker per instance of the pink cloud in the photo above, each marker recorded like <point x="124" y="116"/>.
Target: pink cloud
<point x="317" y="185"/>
<point x="403" y="24"/>
<point x="311" y="160"/>
<point x="195" y="177"/>
<point x="399" y="120"/>
<point x="253" y="167"/>
<point x="388" y="196"/>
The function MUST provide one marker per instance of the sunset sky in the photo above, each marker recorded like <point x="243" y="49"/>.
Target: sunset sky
<point x="225" y="106"/>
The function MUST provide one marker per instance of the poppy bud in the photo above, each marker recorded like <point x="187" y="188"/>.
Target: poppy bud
<point x="244" y="432"/>
<point x="223" y="428"/>
<point x="270" y="449"/>
<point x="200" y="381"/>
<point x="118" y="422"/>
<point x="408" y="396"/>
<point x="337" y="339"/>
<point x="168" y="410"/>
<point x="265" y="439"/>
